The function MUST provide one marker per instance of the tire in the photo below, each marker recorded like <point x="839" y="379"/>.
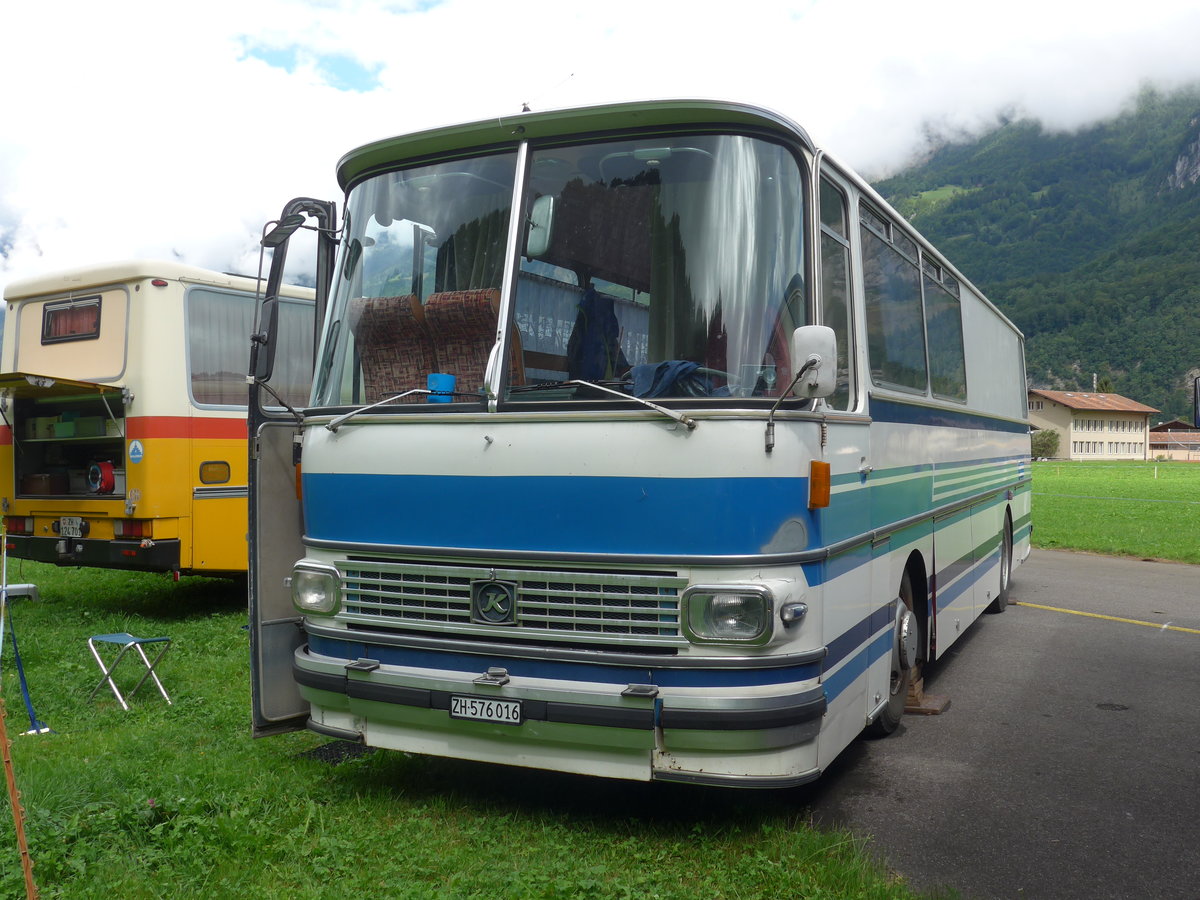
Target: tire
<point x="889" y="717"/>
<point x="999" y="604"/>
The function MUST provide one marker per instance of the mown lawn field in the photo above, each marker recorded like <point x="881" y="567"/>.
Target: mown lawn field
<point x="1143" y="509"/>
<point x="179" y="801"/>
<point x="169" y="801"/>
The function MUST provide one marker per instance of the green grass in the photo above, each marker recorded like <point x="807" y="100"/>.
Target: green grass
<point x="1143" y="509"/>
<point x="167" y="801"/>
<point x="177" y="801"/>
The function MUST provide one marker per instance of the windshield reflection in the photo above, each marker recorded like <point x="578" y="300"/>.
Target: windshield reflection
<point x="664" y="268"/>
<point x="672" y="267"/>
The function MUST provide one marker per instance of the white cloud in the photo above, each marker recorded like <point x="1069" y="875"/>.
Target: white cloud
<point x="136" y="129"/>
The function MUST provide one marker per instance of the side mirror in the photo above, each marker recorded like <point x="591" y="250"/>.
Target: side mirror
<point x="541" y="223"/>
<point x="282" y="230"/>
<point x="814" y="347"/>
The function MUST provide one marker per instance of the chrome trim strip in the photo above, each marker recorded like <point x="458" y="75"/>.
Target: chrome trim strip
<point x="775" y="713"/>
<point x="416" y="414"/>
<point x="564" y="654"/>
<point x="496" y="370"/>
<point x="638" y="718"/>
<point x="219" y="493"/>
<point x="762" y="782"/>
<point x="343" y="734"/>
<point x="750" y="715"/>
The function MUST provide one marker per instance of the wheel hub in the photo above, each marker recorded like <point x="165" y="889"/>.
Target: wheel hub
<point x="907" y="638"/>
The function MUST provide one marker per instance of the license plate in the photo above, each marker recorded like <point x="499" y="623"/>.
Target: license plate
<point x="70" y="526"/>
<point x="483" y="709"/>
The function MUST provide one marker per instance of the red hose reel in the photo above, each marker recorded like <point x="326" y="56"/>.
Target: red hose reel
<point x="101" y="479"/>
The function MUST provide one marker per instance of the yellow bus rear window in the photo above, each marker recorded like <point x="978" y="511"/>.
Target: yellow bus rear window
<point x="71" y="320"/>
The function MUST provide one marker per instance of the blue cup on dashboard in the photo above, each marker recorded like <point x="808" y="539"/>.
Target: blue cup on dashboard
<point x="441" y="386"/>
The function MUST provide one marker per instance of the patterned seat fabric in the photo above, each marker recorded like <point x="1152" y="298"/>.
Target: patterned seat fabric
<point x="394" y="346"/>
<point x="463" y="327"/>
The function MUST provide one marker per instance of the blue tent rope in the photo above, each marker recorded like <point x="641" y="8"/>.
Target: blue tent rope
<point x="36" y="726"/>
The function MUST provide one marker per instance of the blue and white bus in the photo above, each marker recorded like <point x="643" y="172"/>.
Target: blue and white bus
<point x="646" y="441"/>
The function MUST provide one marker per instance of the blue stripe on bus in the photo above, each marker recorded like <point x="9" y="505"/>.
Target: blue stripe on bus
<point x="620" y="515"/>
<point x="565" y="514"/>
<point x="846" y="643"/>
<point x="477" y="664"/>
<point x="857" y="666"/>
<point x="882" y="410"/>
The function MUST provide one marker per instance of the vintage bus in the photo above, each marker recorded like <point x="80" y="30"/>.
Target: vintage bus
<point x="646" y="441"/>
<point x="123" y="440"/>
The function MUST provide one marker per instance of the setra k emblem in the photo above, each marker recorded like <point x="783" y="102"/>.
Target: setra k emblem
<point x="494" y="602"/>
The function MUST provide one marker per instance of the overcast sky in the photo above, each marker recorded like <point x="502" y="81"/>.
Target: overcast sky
<point x="141" y="128"/>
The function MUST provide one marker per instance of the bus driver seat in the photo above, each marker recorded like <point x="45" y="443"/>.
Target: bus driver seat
<point x="394" y="346"/>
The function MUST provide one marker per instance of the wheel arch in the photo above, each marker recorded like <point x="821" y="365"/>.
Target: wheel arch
<point x="919" y="578"/>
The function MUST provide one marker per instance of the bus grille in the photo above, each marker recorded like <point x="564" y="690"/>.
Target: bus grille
<point x="589" y="606"/>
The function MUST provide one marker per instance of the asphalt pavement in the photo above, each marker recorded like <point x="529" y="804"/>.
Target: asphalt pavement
<point x="1068" y="762"/>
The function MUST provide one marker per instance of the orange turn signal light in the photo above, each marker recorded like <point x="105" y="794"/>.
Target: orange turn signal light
<point x="818" y="484"/>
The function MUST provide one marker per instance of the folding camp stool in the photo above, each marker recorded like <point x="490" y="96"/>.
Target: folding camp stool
<point x="128" y="642"/>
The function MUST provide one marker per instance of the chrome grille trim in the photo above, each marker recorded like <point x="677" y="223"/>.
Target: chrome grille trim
<point x="561" y="604"/>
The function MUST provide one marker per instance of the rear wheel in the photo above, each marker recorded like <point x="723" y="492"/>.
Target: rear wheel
<point x="1006" y="549"/>
<point x="905" y="644"/>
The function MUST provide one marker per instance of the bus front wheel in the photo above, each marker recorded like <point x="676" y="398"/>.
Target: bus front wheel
<point x="905" y="647"/>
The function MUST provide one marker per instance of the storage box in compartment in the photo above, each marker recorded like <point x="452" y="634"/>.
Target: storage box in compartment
<point x="89" y="426"/>
<point x="45" y="483"/>
<point x="64" y="429"/>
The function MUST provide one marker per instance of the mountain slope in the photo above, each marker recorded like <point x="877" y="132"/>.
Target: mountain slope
<point x="1089" y="241"/>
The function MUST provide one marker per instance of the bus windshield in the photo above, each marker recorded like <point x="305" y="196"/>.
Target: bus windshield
<point x="666" y="267"/>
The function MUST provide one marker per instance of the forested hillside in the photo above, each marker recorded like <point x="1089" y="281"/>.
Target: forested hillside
<point x="1089" y="241"/>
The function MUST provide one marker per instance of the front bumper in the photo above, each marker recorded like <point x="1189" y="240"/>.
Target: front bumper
<point x="755" y="727"/>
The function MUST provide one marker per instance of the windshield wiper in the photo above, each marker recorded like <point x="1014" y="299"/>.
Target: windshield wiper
<point x="688" y="421"/>
<point x="335" y="424"/>
<point x="677" y="416"/>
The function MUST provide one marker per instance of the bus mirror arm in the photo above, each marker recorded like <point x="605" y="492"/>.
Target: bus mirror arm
<point x="817" y="346"/>
<point x="276" y="235"/>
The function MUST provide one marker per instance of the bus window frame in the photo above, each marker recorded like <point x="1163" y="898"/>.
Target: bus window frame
<point x="71" y="304"/>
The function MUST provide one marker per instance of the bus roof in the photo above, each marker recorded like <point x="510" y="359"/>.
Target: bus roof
<point x="505" y="130"/>
<point x="93" y="276"/>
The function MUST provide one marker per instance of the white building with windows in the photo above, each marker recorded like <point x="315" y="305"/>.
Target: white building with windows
<point x="1091" y="425"/>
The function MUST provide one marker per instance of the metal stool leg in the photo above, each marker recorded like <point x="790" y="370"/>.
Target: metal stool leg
<point x="107" y="672"/>
<point x="150" y="673"/>
<point x="128" y="642"/>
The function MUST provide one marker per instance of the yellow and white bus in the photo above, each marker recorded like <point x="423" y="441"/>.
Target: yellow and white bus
<point x="123" y="394"/>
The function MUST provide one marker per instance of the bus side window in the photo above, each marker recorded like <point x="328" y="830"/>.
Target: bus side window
<point x="218" y="356"/>
<point x="835" y="287"/>
<point x="895" y="321"/>
<point x="943" y="323"/>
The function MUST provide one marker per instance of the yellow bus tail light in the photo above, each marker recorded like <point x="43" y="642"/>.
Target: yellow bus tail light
<point x="18" y="524"/>
<point x="131" y="528"/>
